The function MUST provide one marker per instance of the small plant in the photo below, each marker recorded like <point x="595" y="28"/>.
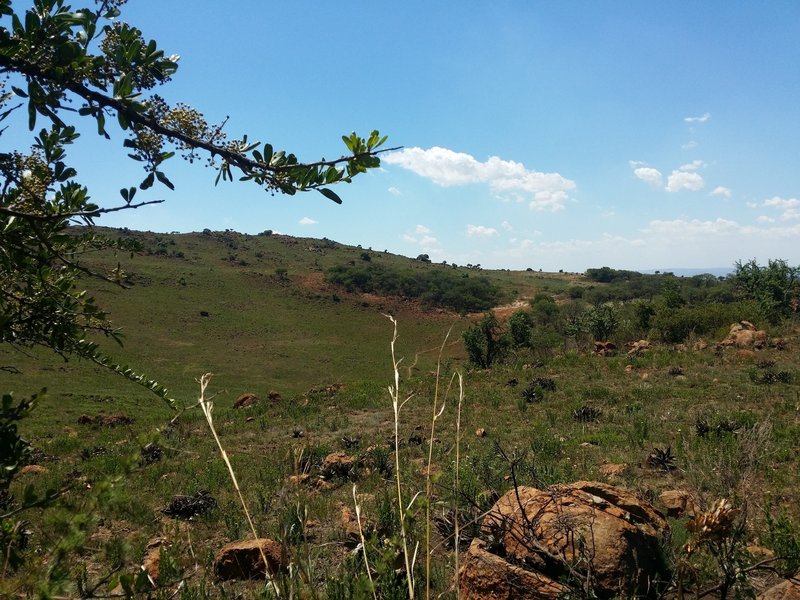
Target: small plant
<point x="661" y="459"/>
<point x="770" y="377"/>
<point x="532" y="393"/>
<point x="676" y="371"/>
<point x="701" y="427"/>
<point x="546" y="383"/>
<point x="586" y="414"/>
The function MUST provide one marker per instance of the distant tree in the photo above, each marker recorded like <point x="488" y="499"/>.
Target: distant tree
<point x="423" y="258"/>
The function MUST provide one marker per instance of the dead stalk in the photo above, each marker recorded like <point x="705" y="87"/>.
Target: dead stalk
<point x="437" y="412"/>
<point x="207" y="406"/>
<point x="455" y="492"/>
<point x="394" y="393"/>
<point x="363" y="543"/>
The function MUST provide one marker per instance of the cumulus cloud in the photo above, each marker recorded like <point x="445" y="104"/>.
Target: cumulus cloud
<point x="307" y="221"/>
<point x="649" y="175"/>
<point x="789" y="207"/>
<point x="394" y="191"/>
<point x="686" y="178"/>
<point x="765" y="219"/>
<point x="721" y="190"/>
<point x="507" y="226"/>
<point x="445" y="167"/>
<point x="701" y="119"/>
<point x="480" y="231"/>
<point x="689" y="145"/>
<point x="423" y="238"/>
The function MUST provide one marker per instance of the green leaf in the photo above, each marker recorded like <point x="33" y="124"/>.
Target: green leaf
<point x="163" y="179"/>
<point x="330" y="195"/>
<point x="148" y="182"/>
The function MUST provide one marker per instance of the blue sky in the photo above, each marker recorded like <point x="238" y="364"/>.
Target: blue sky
<point x="553" y="135"/>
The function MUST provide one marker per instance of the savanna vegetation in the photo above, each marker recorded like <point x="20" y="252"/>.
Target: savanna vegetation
<point x="435" y="286"/>
<point x="113" y="486"/>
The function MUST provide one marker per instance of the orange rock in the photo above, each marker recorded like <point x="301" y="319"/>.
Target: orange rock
<point x="612" y="470"/>
<point x="244" y="560"/>
<point x="245" y="400"/>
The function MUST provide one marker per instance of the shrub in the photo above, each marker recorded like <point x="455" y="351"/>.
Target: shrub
<point x="520" y="327"/>
<point x="485" y="342"/>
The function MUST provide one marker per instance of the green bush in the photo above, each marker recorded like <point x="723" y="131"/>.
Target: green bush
<point x="486" y="342"/>
<point x="674" y="325"/>
<point x="520" y="327"/>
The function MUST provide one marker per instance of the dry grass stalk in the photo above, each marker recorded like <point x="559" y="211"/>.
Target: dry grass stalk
<point x="207" y="406"/>
<point x="363" y="543"/>
<point x="397" y="405"/>
<point x="437" y="412"/>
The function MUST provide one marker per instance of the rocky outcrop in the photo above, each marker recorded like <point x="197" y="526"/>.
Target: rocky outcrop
<point x="745" y="335"/>
<point x="578" y="533"/>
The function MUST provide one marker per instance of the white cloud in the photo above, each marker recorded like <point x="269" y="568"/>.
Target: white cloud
<point x="789" y="206"/>
<point x="692" y="166"/>
<point x="649" y="175"/>
<point x="779" y="202"/>
<point x="448" y="168"/>
<point x="702" y="119"/>
<point x="685" y="180"/>
<point x="394" y="191"/>
<point x="424" y="240"/>
<point x="507" y="226"/>
<point x="307" y="221"/>
<point x="480" y="231"/>
<point x="765" y="219"/>
<point x="682" y="228"/>
<point x="689" y="145"/>
<point x="721" y="190"/>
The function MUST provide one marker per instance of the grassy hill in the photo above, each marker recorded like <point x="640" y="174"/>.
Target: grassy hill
<point x="258" y="312"/>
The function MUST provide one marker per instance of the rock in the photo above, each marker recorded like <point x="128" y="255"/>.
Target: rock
<point x="679" y="503"/>
<point x="245" y="400"/>
<point x="745" y="335"/>
<point x="105" y="420"/>
<point x="778" y="344"/>
<point x="605" y="348"/>
<point x="337" y="464"/>
<point x="32" y="470"/>
<point x="745" y="355"/>
<point x="787" y="590"/>
<point x="629" y="368"/>
<point x="275" y="396"/>
<point x="700" y="344"/>
<point x="487" y="576"/>
<point x="480" y="432"/>
<point x="152" y="558"/>
<point x="636" y="348"/>
<point x="243" y="559"/>
<point x="562" y="528"/>
<point x="613" y="470"/>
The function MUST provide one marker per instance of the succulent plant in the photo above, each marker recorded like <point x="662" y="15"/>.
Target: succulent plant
<point x="662" y="459"/>
<point x="586" y="414"/>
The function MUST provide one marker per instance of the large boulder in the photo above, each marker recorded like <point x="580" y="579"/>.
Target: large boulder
<point x="745" y="335"/>
<point x="585" y="531"/>
<point x="245" y="559"/>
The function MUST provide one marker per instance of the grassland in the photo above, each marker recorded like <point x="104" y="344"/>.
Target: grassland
<point x="256" y="311"/>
